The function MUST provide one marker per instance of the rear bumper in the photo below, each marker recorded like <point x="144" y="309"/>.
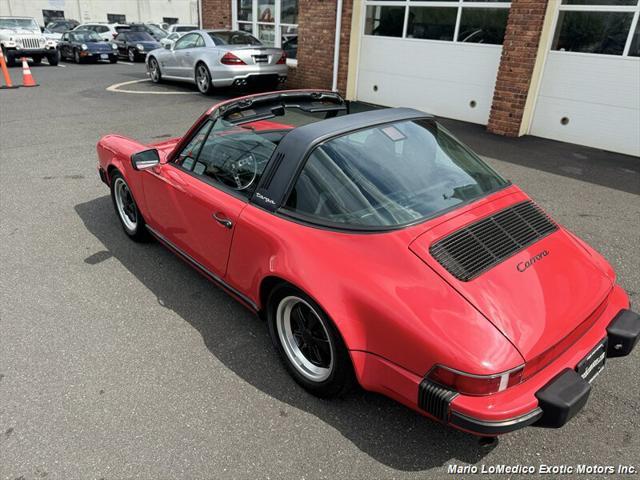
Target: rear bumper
<point x="241" y="75"/>
<point x="560" y="399"/>
<point x="549" y="399"/>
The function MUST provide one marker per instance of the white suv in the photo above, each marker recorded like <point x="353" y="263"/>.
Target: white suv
<point x="107" y="31"/>
<point x="21" y="37"/>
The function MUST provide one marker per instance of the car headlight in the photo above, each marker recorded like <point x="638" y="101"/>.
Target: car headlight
<point x="42" y="40"/>
<point x="114" y="46"/>
<point x="84" y="46"/>
<point x="140" y="47"/>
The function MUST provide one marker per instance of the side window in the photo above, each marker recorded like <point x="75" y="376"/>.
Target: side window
<point x="199" y="41"/>
<point x="234" y="157"/>
<point x="188" y="41"/>
<point x="188" y="156"/>
<point x="65" y="37"/>
<point x="102" y="29"/>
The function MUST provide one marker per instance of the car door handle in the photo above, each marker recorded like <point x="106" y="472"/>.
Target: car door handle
<point x="222" y="220"/>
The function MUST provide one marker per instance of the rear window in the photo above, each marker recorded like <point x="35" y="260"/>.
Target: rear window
<point x="234" y="38"/>
<point x="123" y="29"/>
<point x="389" y="176"/>
<point x="185" y="28"/>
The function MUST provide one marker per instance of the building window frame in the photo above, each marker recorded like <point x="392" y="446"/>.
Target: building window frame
<point x="256" y="24"/>
<point x="460" y="5"/>
<point x="563" y="7"/>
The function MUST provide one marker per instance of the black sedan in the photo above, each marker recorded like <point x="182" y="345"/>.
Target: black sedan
<point x="86" y="45"/>
<point x="135" y="45"/>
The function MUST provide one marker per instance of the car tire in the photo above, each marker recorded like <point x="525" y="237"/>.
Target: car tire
<point x="76" y="57"/>
<point x="126" y="208"/>
<point x="53" y="58"/>
<point x="131" y="55"/>
<point x="36" y="60"/>
<point x="203" y="79"/>
<point x="309" y="345"/>
<point x="154" y="70"/>
<point x="113" y="59"/>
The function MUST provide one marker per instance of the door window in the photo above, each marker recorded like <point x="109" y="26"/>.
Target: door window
<point x="230" y="156"/>
<point x="189" y="154"/>
<point x="188" y="41"/>
<point x="199" y="41"/>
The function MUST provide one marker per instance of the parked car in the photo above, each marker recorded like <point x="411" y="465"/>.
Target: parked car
<point x="180" y="27"/>
<point x="156" y="32"/>
<point x="107" y="31"/>
<point x="218" y="58"/>
<point x="381" y="250"/>
<point x="134" y="45"/>
<point x="49" y="35"/>
<point x="170" y="39"/>
<point x="86" y="45"/>
<point x="162" y="26"/>
<point x="21" y="37"/>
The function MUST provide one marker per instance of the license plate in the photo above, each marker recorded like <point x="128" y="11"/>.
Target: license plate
<point x="591" y="365"/>
<point x="104" y="56"/>
<point x="260" y="58"/>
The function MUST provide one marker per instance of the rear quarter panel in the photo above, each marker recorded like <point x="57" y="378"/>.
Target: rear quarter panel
<point x="382" y="298"/>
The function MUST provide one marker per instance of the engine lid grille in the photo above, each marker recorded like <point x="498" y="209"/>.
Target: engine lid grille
<point x="480" y="246"/>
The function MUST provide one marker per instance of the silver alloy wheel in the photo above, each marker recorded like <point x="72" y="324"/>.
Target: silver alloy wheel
<point x="126" y="206"/>
<point x="305" y="339"/>
<point x="202" y="78"/>
<point x="132" y="55"/>
<point x="155" y="71"/>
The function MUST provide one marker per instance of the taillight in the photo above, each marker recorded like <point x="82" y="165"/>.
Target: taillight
<point x="283" y="59"/>
<point x="230" y="59"/>
<point x="114" y="34"/>
<point x="468" y="384"/>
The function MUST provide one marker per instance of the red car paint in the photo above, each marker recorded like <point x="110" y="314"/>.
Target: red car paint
<point x="398" y="310"/>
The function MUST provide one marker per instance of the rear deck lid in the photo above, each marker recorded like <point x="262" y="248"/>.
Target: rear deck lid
<point x="521" y="270"/>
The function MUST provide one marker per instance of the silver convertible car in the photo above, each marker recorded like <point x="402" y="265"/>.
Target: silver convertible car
<point x="218" y="58"/>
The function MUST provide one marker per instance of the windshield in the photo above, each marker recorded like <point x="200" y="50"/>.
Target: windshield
<point x="233" y="38"/>
<point x="60" y="27"/>
<point x="388" y="176"/>
<point x="139" y="37"/>
<point x="85" y="36"/>
<point x="157" y="31"/>
<point x="27" y="23"/>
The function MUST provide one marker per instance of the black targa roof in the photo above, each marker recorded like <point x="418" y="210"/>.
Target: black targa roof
<point x="290" y="155"/>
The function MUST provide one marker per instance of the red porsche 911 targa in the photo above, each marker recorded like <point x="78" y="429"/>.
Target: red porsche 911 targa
<point x="382" y="252"/>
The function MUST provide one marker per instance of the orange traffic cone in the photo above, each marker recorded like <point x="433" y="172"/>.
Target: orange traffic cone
<point x="5" y="73"/>
<point x="27" y="78"/>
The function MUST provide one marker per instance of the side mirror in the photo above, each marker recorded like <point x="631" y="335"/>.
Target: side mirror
<point x="168" y="46"/>
<point x="145" y="160"/>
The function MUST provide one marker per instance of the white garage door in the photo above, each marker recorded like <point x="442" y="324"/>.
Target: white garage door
<point x="590" y="89"/>
<point x="440" y="58"/>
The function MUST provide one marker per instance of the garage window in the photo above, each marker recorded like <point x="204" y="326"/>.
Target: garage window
<point x="273" y="22"/>
<point x="468" y="21"/>
<point x="432" y="23"/>
<point x="607" y="27"/>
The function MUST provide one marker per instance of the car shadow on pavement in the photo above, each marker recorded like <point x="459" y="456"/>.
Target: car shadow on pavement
<point x="383" y="429"/>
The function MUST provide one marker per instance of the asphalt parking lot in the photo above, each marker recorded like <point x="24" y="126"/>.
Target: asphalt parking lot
<point x="117" y="360"/>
